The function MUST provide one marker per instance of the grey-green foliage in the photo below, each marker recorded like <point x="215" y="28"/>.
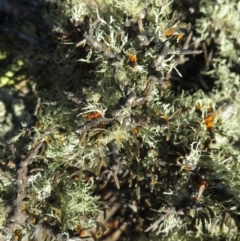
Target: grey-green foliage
<point x="221" y="23"/>
<point x="164" y="142"/>
<point x="167" y="119"/>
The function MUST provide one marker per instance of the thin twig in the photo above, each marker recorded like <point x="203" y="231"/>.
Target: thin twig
<point x="17" y="217"/>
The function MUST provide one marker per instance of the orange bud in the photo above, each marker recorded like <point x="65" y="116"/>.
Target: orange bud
<point x="169" y="32"/>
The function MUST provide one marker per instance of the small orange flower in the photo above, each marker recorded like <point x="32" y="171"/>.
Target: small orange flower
<point x="17" y="234"/>
<point x="209" y="120"/>
<point x="169" y="32"/>
<point x="92" y="115"/>
<point x="81" y="232"/>
<point x="186" y="168"/>
<point x="165" y="117"/>
<point x="136" y="131"/>
<point x="34" y="221"/>
<point x="179" y="37"/>
<point x="79" y="229"/>
<point x="133" y="58"/>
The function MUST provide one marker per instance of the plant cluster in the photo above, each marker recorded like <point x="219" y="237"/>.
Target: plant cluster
<point x="111" y="151"/>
